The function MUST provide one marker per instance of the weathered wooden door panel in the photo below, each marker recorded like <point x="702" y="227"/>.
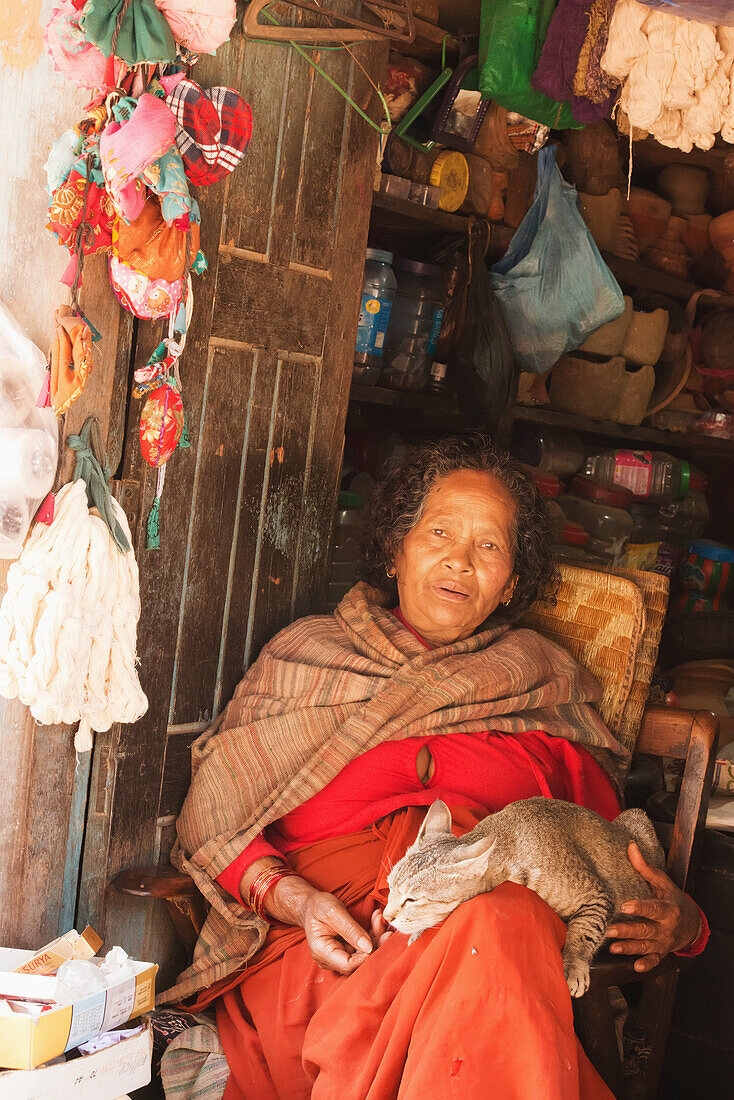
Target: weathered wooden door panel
<point x="247" y="509"/>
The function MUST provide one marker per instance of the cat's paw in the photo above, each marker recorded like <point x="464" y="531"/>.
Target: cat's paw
<point x="576" y="974"/>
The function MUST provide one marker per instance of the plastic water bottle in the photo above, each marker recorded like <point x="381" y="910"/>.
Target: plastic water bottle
<point x="415" y="325"/>
<point x="378" y="294"/>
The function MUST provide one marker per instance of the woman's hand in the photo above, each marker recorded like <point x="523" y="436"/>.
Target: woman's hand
<point x="335" y="939"/>
<point x="669" y="921"/>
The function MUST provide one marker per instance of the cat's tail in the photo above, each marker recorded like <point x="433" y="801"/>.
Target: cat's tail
<point x="642" y="831"/>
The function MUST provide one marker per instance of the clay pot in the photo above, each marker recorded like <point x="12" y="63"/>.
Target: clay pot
<point x="721" y="232"/>
<point x="670" y="378"/>
<point x="593" y="163"/>
<point x="668" y="253"/>
<point x="703" y="685"/>
<point x="695" y="236"/>
<point x="710" y="270"/>
<point x="608" y="339"/>
<point x="679" y="326"/>
<point x="601" y="214"/>
<point x="650" y="215"/>
<point x="686" y="188"/>
<point x="717" y="340"/>
<point x="645" y="337"/>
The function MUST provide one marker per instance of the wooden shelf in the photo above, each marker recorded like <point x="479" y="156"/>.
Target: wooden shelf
<point x="411" y="216"/>
<point x="701" y="444"/>
<point x="430" y="404"/>
<point x="427" y="219"/>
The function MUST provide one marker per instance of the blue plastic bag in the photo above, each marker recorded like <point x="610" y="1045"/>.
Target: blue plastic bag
<point x="700" y="11"/>
<point x="552" y="284"/>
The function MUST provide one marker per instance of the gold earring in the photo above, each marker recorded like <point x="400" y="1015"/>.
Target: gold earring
<point x="390" y="572"/>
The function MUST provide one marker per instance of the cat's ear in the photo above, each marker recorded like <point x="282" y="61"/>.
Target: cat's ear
<point x="477" y="853"/>
<point x="436" y="823"/>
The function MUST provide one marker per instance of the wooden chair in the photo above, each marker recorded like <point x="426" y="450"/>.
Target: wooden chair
<point x="612" y="625"/>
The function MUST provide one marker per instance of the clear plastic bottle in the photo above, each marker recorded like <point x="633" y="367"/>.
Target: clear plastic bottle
<point x="602" y="512"/>
<point x="653" y="477"/>
<point x="378" y="295"/>
<point x="553" y="450"/>
<point x="345" y="547"/>
<point x="643" y="548"/>
<point x="415" y="325"/>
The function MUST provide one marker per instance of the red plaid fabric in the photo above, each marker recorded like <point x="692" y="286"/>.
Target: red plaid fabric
<point x="213" y="132"/>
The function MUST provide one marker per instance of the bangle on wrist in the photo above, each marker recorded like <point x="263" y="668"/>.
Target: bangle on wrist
<point x="263" y="883"/>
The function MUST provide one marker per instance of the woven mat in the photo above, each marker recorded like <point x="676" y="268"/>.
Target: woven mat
<point x="610" y="620"/>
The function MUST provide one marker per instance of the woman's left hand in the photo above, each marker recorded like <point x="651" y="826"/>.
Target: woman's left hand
<point x="668" y="921"/>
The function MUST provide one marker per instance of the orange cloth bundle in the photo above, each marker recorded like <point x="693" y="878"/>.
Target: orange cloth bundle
<point x="71" y="359"/>
<point x="151" y="247"/>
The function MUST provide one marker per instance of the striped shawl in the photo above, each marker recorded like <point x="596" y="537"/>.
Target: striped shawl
<point x="329" y="688"/>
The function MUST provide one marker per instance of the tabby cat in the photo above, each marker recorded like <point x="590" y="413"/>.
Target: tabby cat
<point x="572" y="858"/>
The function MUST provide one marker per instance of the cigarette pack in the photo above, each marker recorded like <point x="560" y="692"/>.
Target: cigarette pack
<point x="72" y="945"/>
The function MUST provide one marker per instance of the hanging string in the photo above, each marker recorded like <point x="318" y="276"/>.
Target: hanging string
<point x="79" y="239"/>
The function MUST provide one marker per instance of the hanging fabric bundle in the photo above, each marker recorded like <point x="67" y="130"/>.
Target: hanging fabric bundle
<point x="68" y="620"/>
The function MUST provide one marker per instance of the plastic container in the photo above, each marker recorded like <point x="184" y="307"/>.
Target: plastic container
<point x="437" y="382"/>
<point x="707" y="577"/>
<point x="378" y="295"/>
<point x="423" y="194"/>
<point x="653" y="477"/>
<point x="571" y="542"/>
<point x="686" y="518"/>
<point x="549" y="449"/>
<point x="415" y="324"/>
<point x="396" y="186"/>
<point x="345" y="547"/>
<point x="643" y="548"/>
<point x="450" y="174"/>
<point x="557" y="520"/>
<point x="603" y="513"/>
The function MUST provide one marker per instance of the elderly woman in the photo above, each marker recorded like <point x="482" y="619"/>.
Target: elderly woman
<point x="317" y="779"/>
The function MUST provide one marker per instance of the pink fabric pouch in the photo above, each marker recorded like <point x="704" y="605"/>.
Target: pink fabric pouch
<point x="126" y="150"/>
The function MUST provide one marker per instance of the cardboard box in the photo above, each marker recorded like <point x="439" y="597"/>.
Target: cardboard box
<point x="27" y="1041"/>
<point x="107" y="1075"/>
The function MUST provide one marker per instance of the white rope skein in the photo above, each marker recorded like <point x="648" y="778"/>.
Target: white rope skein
<point x="68" y="623"/>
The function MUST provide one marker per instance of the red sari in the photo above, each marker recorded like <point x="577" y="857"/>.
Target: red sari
<point x="480" y="998"/>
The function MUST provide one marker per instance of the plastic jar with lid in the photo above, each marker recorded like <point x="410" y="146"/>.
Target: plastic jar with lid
<point x="653" y="477"/>
<point x="415" y="324"/>
<point x="549" y="449"/>
<point x="707" y="577"/>
<point x="643" y="548"/>
<point x="378" y="295"/>
<point x="603" y="513"/>
<point x="571" y="541"/>
<point x="681" y="521"/>
<point x="447" y="170"/>
<point x="686" y="517"/>
<point x="345" y="547"/>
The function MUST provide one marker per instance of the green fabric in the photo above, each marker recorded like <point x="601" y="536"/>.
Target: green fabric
<point x="153" y="529"/>
<point x="144" y="33"/>
<point x="511" y="37"/>
<point x="98" y="494"/>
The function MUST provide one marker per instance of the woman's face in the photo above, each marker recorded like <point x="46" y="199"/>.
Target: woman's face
<point x="456" y="565"/>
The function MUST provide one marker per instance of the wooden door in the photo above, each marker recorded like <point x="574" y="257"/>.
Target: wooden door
<point x="247" y="510"/>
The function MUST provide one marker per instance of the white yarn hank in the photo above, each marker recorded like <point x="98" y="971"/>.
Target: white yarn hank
<point x="68" y="622"/>
<point x="677" y="75"/>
